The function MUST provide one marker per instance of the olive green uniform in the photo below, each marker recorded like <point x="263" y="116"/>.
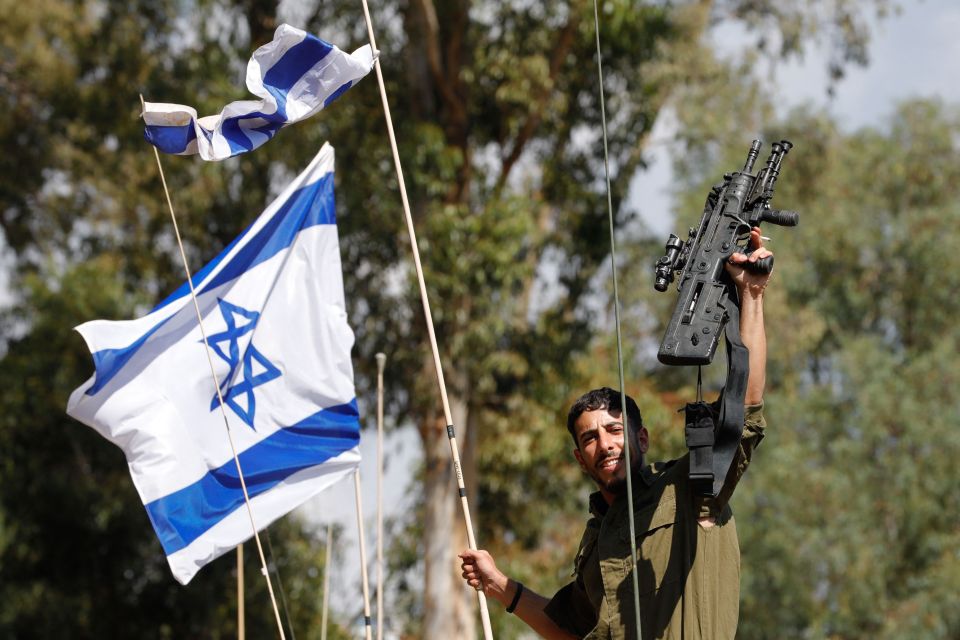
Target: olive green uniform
<point x="688" y="575"/>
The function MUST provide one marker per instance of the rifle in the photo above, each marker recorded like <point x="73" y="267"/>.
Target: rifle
<point x="707" y="306"/>
<point x="732" y="209"/>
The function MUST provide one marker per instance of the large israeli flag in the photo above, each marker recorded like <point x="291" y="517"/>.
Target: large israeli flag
<point x="273" y="311"/>
<point x="295" y="76"/>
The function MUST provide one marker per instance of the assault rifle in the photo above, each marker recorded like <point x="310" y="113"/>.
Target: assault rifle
<point x="732" y="209"/>
<point x="708" y="307"/>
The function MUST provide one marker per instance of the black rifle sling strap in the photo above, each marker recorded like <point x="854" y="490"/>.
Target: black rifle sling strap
<point x="713" y="443"/>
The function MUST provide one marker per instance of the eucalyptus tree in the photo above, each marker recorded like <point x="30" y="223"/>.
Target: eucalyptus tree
<point x="498" y="111"/>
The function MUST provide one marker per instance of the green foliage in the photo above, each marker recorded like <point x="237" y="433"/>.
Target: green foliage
<point x="849" y="521"/>
<point x="498" y="114"/>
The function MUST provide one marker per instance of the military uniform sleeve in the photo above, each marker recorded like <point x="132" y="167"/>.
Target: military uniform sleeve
<point x="571" y="609"/>
<point x="754" y="426"/>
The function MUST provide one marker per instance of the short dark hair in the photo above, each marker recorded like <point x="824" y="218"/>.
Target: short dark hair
<point x="603" y="398"/>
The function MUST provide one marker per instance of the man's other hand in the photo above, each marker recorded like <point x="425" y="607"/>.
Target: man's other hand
<point x="480" y="572"/>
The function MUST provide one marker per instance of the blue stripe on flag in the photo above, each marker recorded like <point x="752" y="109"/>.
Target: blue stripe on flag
<point x="170" y="139"/>
<point x="282" y="76"/>
<point x="238" y="140"/>
<point x="291" y="68"/>
<point x="109" y="362"/>
<point x="336" y="94"/>
<point x="307" y="207"/>
<point x="183" y="516"/>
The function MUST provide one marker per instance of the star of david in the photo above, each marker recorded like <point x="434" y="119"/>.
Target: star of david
<point x="238" y="393"/>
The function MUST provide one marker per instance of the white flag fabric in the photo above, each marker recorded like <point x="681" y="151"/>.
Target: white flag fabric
<point x="295" y="76"/>
<point x="273" y="310"/>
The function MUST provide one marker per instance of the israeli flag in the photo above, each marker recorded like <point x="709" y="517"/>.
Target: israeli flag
<point x="273" y="311"/>
<point x="295" y="76"/>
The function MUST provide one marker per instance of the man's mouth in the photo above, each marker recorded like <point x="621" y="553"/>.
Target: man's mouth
<point x="609" y="464"/>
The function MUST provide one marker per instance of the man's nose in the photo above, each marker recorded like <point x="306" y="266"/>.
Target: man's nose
<point x="607" y="440"/>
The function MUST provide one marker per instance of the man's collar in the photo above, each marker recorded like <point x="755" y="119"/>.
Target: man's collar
<point x="644" y="479"/>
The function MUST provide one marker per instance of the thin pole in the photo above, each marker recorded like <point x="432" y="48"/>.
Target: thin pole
<point x="283" y="595"/>
<point x="616" y="311"/>
<point x="367" y="623"/>
<point x="241" y="629"/>
<point x="326" y="582"/>
<point x="454" y="451"/>
<point x="216" y="384"/>
<point x="381" y="362"/>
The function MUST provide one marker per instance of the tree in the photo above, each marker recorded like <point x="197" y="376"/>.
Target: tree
<point x="853" y="509"/>
<point x="497" y="103"/>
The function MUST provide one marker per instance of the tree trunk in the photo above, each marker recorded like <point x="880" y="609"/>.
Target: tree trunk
<point x="450" y="607"/>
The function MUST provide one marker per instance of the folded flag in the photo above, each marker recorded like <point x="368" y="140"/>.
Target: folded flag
<point x="295" y="76"/>
<point x="274" y="314"/>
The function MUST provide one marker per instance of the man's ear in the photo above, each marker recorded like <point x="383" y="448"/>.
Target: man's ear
<point x="579" y="457"/>
<point x="644" y="439"/>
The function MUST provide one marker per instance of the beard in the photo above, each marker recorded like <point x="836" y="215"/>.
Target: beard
<point x="618" y="485"/>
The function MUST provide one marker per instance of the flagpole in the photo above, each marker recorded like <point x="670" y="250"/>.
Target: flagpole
<point x="216" y="383"/>
<point x="363" y="558"/>
<point x="241" y="630"/>
<point x="454" y="452"/>
<point x="326" y="582"/>
<point x="381" y="363"/>
<point x="276" y="572"/>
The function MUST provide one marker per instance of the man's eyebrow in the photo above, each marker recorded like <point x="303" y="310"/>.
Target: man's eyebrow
<point x="586" y="432"/>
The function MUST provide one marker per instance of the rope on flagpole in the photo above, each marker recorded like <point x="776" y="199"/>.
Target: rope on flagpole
<point x="454" y="451"/>
<point x="381" y="363"/>
<point x="363" y="558"/>
<point x="216" y="382"/>
<point x="616" y="309"/>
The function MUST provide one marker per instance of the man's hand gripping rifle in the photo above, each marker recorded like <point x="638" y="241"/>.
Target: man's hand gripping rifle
<point x="707" y="306"/>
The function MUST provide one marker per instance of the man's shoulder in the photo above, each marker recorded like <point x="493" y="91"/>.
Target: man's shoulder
<point x="667" y="470"/>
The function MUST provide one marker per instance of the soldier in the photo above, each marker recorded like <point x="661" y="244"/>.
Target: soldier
<point x="688" y="555"/>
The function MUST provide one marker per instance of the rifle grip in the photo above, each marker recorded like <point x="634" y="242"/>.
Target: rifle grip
<point x="763" y="265"/>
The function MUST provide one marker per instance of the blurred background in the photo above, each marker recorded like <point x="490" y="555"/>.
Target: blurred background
<point x="848" y="518"/>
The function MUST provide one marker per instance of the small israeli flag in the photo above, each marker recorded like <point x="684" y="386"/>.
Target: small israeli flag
<point x="273" y="309"/>
<point x="295" y="76"/>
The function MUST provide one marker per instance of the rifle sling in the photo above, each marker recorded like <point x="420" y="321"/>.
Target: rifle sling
<point x="712" y="450"/>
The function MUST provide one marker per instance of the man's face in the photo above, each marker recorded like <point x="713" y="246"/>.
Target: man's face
<point x="600" y="453"/>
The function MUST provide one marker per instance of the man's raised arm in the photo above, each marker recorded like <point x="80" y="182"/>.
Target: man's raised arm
<point x="751" y="286"/>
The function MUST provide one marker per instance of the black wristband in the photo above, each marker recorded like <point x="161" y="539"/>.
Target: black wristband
<point x="516" y="598"/>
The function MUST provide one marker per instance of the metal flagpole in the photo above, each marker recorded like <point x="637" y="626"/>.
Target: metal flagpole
<point x="616" y="307"/>
<point x="216" y="384"/>
<point x="326" y="582"/>
<point x="367" y="623"/>
<point x="381" y="362"/>
<point x="454" y="451"/>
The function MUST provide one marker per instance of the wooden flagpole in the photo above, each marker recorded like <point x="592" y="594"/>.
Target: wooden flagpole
<point x="363" y="559"/>
<point x="454" y="451"/>
<point x="326" y="582"/>
<point x="381" y="363"/>
<point x="216" y="384"/>
<point x="241" y="629"/>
